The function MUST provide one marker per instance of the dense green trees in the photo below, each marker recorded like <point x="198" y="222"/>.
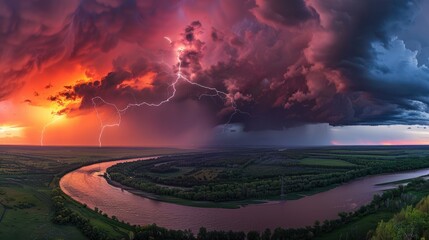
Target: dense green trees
<point x="65" y="216"/>
<point x="233" y="182"/>
<point x="410" y="223"/>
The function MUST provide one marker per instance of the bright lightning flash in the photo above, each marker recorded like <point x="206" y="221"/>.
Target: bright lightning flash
<point x="179" y="77"/>
<point x="54" y="119"/>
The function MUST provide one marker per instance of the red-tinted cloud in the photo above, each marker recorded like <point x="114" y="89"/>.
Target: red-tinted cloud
<point x="284" y="62"/>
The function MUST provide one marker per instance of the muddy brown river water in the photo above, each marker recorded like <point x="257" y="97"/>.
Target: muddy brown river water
<point x="86" y="186"/>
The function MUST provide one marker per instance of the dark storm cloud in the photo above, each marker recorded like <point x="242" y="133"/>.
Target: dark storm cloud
<point x="117" y="87"/>
<point x="284" y="62"/>
<point x="383" y="67"/>
<point x="355" y="44"/>
<point x="37" y="34"/>
<point x="285" y="77"/>
<point x="354" y="28"/>
<point x="191" y="56"/>
<point x="27" y="28"/>
<point x="291" y="13"/>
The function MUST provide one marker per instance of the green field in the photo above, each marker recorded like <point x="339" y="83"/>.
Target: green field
<point x="358" y="229"/>
<point x="243" y="175"/>
<point x="32" y="220"/>
<point x="27" y="176"/>
<point x="326" y="162"/>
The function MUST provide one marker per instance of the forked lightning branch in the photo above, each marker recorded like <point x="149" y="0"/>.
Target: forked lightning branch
<point x="179" y="77"/>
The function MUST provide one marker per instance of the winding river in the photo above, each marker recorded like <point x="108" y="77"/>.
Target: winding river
<point x="86" y="186"/>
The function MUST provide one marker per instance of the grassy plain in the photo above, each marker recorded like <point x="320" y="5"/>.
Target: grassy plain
<point x="27" y="176"/>
<point x="358" y="229"/>
<point x="237" y="176"/>
<point x="326" y="162"/>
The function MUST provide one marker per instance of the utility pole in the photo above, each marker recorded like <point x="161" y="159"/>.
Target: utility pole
<point x="282" y="192"/>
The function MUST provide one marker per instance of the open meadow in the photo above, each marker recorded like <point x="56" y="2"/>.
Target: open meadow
<point x="31" y="201"/>
<point x="263" y="173"/>
<point x="27" y="177"/>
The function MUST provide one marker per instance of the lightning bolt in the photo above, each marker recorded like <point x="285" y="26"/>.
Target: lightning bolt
<point x="179" y="77"/>
<point x="104" y="126"/>
<point x="53" y="120"/>
<point x="168" y="39"/>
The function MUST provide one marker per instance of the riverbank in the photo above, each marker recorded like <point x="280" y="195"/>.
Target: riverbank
<point x="228" y="177"/>
<point x="207" y="204"/>
<point x="402" y="182"/>
<point x="351" y="225"/>
<point x="145" y="209"/>
<point x="29" y="174"/>
<point x="184" y="202"/>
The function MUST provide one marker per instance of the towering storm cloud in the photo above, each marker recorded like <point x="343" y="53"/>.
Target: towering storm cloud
<point x="283" y="63"/>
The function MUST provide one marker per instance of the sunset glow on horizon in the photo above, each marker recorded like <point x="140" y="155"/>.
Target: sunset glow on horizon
<point x="69" y="72"/>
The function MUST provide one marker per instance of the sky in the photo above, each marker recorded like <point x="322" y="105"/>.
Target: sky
<point x="218" y="72"/>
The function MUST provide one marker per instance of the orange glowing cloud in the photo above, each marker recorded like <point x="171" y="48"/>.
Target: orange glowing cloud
<point x="283" y="62"/>
<point x="146" y="81"/>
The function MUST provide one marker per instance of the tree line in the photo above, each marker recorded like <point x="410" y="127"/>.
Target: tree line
<point x="391" y="200"/>
<point x="259" y="188"/>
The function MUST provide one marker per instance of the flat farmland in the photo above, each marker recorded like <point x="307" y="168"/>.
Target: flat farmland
<point x="27" y="177"/>
<point x="326" y="162"/>
<point x="251" y="174"/>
